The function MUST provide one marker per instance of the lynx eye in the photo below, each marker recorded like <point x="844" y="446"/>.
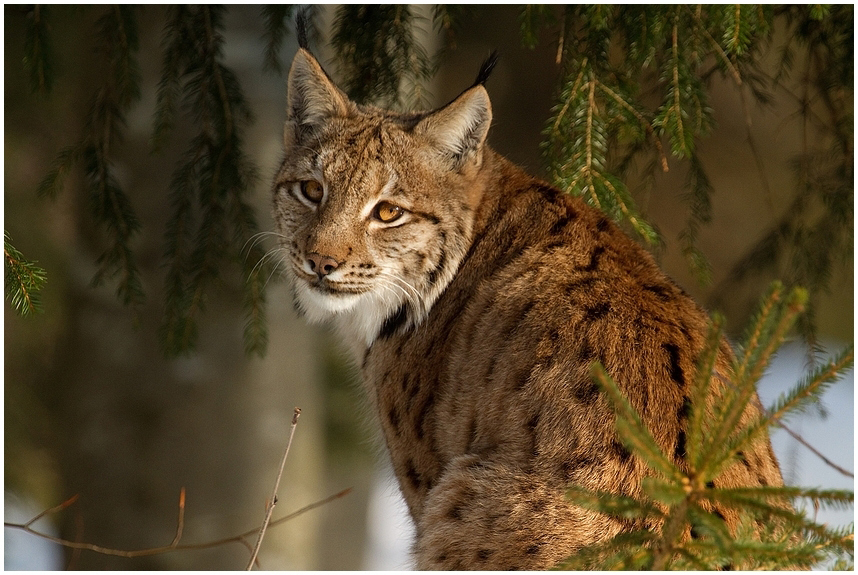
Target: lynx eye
<point x="312" y="191"/>
<point x="386" y="212"/>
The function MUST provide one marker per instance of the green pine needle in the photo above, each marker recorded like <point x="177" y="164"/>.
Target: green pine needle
<point x="631" y="429"/>
<point x="24" y="280"/>
<point x="38" y="49"/>
<point x="378" y="54"/>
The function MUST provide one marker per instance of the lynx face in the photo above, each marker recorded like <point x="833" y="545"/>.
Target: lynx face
<point x="374" y="210"/>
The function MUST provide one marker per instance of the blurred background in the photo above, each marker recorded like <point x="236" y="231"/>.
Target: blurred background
<point x="93" y="407"/>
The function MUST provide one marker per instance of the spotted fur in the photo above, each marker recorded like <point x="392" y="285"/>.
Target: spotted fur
<point x="475" y="317"/>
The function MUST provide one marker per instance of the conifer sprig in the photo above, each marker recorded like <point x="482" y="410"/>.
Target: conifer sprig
<point x="38" y="49"/>
<point x="701" y="390"/>
<point x="24" y="279"/>
<point x="276" y="18"/>
<point x="699" y="199"/>
<point x="680" y="527"/>
<point x="815" y="233"/>
<point x="577" y="143"/>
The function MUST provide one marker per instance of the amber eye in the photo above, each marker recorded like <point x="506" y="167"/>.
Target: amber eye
<point x="312" y="191"/>
<point x="386" y="212"/>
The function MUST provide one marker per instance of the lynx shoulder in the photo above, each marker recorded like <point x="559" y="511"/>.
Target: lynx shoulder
<point x="475" y="299"/>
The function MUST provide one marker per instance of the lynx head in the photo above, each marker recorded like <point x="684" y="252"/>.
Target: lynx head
<point x="374" y="209"/>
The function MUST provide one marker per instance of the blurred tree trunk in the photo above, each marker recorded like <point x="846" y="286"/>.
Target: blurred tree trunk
<point x="129" y="428"/>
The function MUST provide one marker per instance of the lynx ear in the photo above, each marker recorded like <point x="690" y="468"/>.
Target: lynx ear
<point x="459" y="129"/>
<point x="312" y="96"/>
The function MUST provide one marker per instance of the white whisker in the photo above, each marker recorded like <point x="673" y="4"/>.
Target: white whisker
<point x="256" y="239"/>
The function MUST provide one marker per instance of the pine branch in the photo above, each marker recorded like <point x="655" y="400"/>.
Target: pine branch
<point x="766" y="335"/>
<point x="583" y="170"/>
<point x="612" y="504"/>
<point x="178" y="50"/>
<point x="39" y="57"/>
<point x="255" y="272"/>
<point x="24" y="280"/>
<point x="804" y="393"/>
<point x="210" y="220"/>
<point x="827" y="498"/>
<point x="684" y="115"/>
<point x="110" y="206"/>
<point x="811" y="387"/>
<point x="677" y="502"/>
<point x="700" y="202"/>
<point x="627" y="551"/>
<point x="701" y="390"/>
<point x="631" y="429"/>
<point x="533" y="17"/>
<point x="377" y="52"/>
<point x="276" y="30"/>
<point x="179" y="242"/>
<point x="54" y="181"/>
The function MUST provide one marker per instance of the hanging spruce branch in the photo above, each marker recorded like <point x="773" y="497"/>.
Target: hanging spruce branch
<point x="210" y="219"/>
<point x="277" y="18"/>
<point x="680" y="527"/>
<point x="38" y="49"/>
<point x="578" y="146"/>
<point x="378" y="55"/>
<point x="24" y="280"/>
<point x="816" y="232"/>
<point x="109" y="204"/>
<point x="603" y="88"/>
<point x="699" y="199"/>
<point x="278" y="21"/>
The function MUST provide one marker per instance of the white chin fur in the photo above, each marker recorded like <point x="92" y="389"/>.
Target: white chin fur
<point x="318" y="306"/>
<point x="358" y="318"/>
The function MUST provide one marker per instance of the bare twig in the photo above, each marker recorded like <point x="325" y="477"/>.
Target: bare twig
<point x="174" y="545"/>
<point x="800" y="439"/>
<point x="269" y="508"/>
<point x="67" y="503"/>
<point x="241" y="538"/>
<point x="180" y="523"/>
<point x="815" y="451"/>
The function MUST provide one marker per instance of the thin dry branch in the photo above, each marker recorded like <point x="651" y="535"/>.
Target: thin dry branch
<point x="67" y="503"/>
<point x="758" y="160"/>
<point x="180" y="523"/>
<point x="815" y="451"/>
<point x="174" y="546"/>
<point x="802" y="440"/>
<point x="269" y="508"/>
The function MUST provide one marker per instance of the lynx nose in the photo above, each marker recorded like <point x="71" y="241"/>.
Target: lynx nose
<point x="322" y="265"/>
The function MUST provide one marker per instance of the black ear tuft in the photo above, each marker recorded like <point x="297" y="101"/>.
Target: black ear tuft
<point x="301" y="25"/>
<point x="486" y="68"/>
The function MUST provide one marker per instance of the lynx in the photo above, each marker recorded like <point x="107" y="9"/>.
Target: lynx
<point x="474" y="298"/>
